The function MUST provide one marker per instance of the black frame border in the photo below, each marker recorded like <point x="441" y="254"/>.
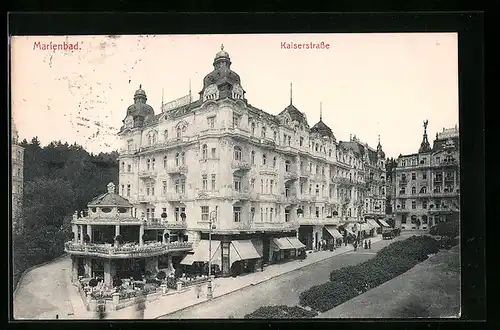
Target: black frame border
<point x="470" y="28"/>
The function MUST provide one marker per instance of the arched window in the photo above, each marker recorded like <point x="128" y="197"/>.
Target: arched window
<point x="413" y="190"/>
<point x="204" y="151"/>
<point x="263" y="132"/>
<point x="274" y="161"/>
<point x="237" y="153"/>
<point x="154" y="138"/>
<point x="179" y="132"/>
<point x="330" y="153"/>
<point x="183" y="158"/>
<point x="165" y="134"/>
<point x="153" y="164"/>
<point x="253" y="128"/>
<point x="264" y="159"/>
<point x="287" y="165"/>
<point x="423" y="190"/>
<point x="123" y="166"/>
<point x="164" y="161"/>
<point x="149" y="139"/>
<point x="253" y="157"/>
<point x="177" y="159"/>
<point x="148" y="164"/>
<point x="275" y="136"/>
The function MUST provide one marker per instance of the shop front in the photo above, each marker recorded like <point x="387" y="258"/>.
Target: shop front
<point x="335" y="237"/>
<point x="286" y="249"/>
<point x="377" y="229"/>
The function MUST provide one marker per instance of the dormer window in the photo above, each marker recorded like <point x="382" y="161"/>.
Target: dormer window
<point x="178" y="132"/>
<point x="204" y="151"/>
<point x="263" y="132"/>
<point x="253" y="128"/>
<point x="275" y="136"/>
<point x="264" y="159"/>
<point x="165" y="134"/>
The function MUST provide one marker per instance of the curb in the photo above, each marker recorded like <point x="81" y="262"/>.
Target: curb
<point x="33" y="267"/>
<point x="251" y="284"/>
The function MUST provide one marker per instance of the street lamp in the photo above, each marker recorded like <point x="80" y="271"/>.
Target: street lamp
<point x="212" y="218"/>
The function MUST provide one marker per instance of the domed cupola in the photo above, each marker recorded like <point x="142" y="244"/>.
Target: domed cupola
<point x="380" y="152"/>
<point x="222" y="81"/>
<point x="321" y="128"/>
<point x="139" y="112"/>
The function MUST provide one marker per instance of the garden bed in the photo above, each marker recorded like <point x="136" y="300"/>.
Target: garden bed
<point x="281" y="312"/>
<point x="348" y="282"/>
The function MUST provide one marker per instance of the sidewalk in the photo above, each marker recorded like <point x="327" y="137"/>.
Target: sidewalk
<point x="223" y="286"/>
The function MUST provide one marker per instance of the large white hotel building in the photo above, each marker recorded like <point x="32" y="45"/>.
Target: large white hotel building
<point x="268" y="176"/>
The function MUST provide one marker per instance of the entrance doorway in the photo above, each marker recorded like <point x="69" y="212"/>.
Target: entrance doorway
<point x="317" y="240"/>
<point x="266" y="247"/>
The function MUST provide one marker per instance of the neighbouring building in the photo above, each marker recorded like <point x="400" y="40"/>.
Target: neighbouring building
<point x="108" y="241"/>
<point x="428" y="182"/>
<point x="271" y="183"/>
<point x="17" y="154"/>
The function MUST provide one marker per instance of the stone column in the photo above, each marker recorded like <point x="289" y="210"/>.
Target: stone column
<point x="74" y="269"/>
<point x="169" y="260"/>
<point x="117" y="230"/>
<point x="87" y="264"/>
<point x="75" y="233"/>
<point x="108" y="279"/>
<point x="80" y="230"/>
<point x="163" y="236"/>
<point x="141" y="233"/>
<point x="89" y="232"/>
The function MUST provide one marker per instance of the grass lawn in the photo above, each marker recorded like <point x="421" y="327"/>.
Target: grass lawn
<point x="430" y="289"/>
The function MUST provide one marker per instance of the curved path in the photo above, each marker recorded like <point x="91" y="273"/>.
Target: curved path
<point x="45" y="292"/>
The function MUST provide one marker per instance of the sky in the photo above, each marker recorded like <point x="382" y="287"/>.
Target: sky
<point x="368" y="84"/>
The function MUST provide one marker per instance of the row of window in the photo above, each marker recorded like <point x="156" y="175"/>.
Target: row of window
<point x="437" y="176"/>
<point x="423" y="161"/>
<point x="424" y="204"/>
<point x="423" y="190"/>
<point x="150" y="213"/>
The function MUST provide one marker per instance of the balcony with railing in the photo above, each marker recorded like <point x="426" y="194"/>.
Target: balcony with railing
<point x="304" y="173"/>
<point x="449" y="163"/>
<point x="125" y="250"/>
<point x="341" y="180"/>
<point x="268" y="170"/>
<point x="243" y="195"/>
<point x="291" y="199"/>
<point x="290" y="175"/>
<point x="274" y="226"/>
<point x="147" y="198"/>
<point x="241" y="165"/>
<point x="159" y="223"/>
<point x="320" y="221"/>
<point x="180" y="169"/>
<point x="438" y="179"/>
<point x="403" y="181"/>
<point x="147" y="174"/>
<point x="176" y="196"/>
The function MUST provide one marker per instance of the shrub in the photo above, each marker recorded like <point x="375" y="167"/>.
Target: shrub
<point x="449" y="229"/>
<point x="86" y="238"/>
<point x="161" y="275"/>
<point x="93" y="282"/>
<point x="281" y="312"/>
<point x="348" y="282"/>
<point x="137" y="276"/>
<point x="119" y="239"/>
<point x="117" y="282"/>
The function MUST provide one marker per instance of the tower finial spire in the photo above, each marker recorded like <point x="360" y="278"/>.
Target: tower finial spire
<point x="140" y="86"/>
<point x="291" y="94"/>
<point x="379" y="139"/>
<point x="222" y="47"/>
<point x="320" y="111"/>
<point x="162" y="96"/>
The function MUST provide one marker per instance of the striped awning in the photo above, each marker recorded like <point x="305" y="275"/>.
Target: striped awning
<point x="385" y="224"/>
<point x="282" y="244"/>
<point x="296" y="243"/>
<point x="373" y="223"/>
<point x="365" y="227"/>
<point x="333" y="231"/>
<point x="242" y="250"/>
<point x="201" y="253"/>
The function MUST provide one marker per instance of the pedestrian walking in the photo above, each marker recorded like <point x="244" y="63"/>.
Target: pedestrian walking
<point x="355" y="245"/>
<point x="370" y="244"/>
<point x="198" y="290"/>
<point x="366" y="245"/>
<point x="262" y="266"/>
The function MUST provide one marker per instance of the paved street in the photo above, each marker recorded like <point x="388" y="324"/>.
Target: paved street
<point x="282" y="290"/>
<point x="43" y="292"/>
